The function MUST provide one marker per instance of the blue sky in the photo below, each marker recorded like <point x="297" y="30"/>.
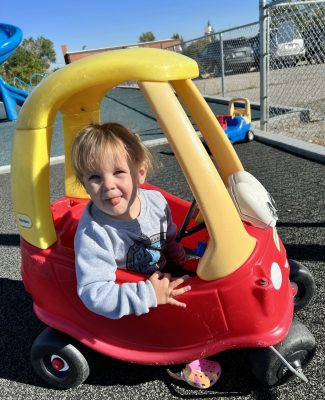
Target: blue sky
<point x="106" y="23"/>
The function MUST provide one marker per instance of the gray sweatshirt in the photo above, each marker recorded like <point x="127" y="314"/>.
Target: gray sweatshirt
<point x="104" y="243"/>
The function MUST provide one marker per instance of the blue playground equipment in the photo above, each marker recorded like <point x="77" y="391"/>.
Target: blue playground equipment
<point x="10" y="38"/>
<point x="29" y="86"/>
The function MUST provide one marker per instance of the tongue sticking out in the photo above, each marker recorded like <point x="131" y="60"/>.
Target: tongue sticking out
<point x="115" y="201"/>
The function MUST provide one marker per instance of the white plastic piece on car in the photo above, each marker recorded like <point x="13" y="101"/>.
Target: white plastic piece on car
<point x="253" y="202"/>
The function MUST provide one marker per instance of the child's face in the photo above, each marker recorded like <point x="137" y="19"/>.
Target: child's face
<point x="113" y="187"/>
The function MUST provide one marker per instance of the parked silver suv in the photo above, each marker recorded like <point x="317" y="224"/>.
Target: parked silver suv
<point x="286" y="45"/>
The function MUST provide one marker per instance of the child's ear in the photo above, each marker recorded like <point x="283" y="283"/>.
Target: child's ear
<point x="142" y="174"/>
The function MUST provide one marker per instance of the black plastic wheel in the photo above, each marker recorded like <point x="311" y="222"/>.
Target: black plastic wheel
<point x="304" y="281"/>
<point x="298" y="348"/>
<point x="57" y="361"/>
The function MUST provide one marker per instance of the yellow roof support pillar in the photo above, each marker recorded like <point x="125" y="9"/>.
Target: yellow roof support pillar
<point x="230" y="245"/>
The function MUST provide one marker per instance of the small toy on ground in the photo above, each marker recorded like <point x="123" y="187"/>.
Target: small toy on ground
<point x="201" y="374"/>
<point x="237" y="124"/>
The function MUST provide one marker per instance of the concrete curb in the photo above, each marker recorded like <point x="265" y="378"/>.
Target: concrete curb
<point x="308" y="150"/>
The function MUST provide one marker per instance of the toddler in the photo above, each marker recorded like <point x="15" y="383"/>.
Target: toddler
<point x="122" y="226"/>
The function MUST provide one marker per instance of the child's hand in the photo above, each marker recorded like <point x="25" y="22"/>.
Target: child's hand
<point x="165" y="289"/>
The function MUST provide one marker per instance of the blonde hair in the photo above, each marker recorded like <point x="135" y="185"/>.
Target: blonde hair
<point x="92" y="143"/>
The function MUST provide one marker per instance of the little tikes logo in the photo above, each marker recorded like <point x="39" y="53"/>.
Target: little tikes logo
<point x="24" y="221"/>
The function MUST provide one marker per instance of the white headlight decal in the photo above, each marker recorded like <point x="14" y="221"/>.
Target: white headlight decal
<point x="276" y="276"/>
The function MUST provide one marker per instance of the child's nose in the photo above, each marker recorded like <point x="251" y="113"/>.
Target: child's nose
<point x="109" y="183"/>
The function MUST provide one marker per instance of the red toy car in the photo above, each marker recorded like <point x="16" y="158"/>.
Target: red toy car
<point x="244" y="290"/>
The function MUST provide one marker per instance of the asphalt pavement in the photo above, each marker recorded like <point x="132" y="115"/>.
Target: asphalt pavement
<point x="298" y="187"/>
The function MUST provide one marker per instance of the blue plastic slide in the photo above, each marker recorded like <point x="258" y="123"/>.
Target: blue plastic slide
<point x="10" y="38"/>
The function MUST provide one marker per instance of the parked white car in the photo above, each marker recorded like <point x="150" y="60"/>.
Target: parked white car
<point x="286" y="45"/>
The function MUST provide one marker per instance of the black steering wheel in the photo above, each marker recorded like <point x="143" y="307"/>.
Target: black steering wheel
<point x="183" y="232"/>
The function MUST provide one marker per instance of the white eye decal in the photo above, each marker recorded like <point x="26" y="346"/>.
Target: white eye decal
<point x="276" y="276"/>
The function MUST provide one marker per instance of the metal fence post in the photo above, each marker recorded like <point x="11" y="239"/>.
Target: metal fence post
<point x="222" y="66"/>
<point x="264" y="64"/>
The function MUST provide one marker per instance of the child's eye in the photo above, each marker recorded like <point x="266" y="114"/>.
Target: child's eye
<point x="119" y="172"/>
<point x="94" y="177"/>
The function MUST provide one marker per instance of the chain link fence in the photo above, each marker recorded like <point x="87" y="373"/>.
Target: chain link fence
<point x="278" y="62"/>
<point x="228" y="62"/>
<point x="296" y="69"/>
